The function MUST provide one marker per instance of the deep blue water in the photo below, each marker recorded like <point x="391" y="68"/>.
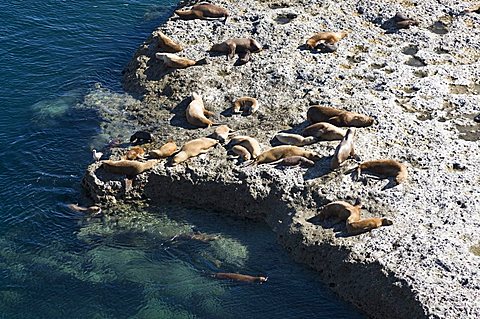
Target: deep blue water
<point x="54" y="263"/>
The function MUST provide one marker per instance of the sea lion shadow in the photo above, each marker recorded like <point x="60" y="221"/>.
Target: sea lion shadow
<point x="321" y="168"/>
<point x="338" y="226"/>
<point x="179" y="118"/>
<point x="390" y="26"/>
<point x="213" y="54"/>
<point x="303" y="47"/>
<point x="156" y="70"/>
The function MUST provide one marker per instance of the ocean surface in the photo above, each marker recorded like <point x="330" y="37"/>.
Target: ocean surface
<point x="134" y="262"/>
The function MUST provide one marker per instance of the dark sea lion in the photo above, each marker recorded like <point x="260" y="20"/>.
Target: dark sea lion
<point x="323" y="131"/>
<point x="240" y="277"/>
<point x="344" y="150"/>
<point x="385" y="168"/>
<point x="337" y="117"/>
<point x="237" y="45"/>
<point x="177" y="62"/>
<point x="341" y="210"/>
<point x="141" y="137"/>
<point x="278" y="152"/>
<point x="165" y="151"/>
<point x="126" y="167"/>
<point x="193" y="148"/>
<point x="325" y="37"/>
<point x="203" y="11"/>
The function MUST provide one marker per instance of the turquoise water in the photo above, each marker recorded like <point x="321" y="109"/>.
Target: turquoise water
<point x="55" y="263"/>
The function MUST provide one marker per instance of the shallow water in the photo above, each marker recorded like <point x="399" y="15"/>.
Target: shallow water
<point x="55" y="263"/>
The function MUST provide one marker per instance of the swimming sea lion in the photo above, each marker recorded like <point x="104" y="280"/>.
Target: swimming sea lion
<point x="240" y="277"/>
<point x="324" y="132"/>
<point x="194" y="148"/>
<point x="385" y="168"/>
<point x="232" y="46"/>
<point x="126" y="167"/>
<point x="278" y="152"/>
<point x="344" y="150"/>
<point x="203" y="11"/>
<point x="248" y="104"/>
<point x="134" y="153"/>
<point x="94" y="210"/>
<point x="196" y="112"/>
<point x="248" y="142"/>
<point x="203" y="237"/>
<point x="242" y="152"/>
<point x="177" y="62"/>
<point x="295" y="160"/>
<point x="165" y="151"/>
<point x="341" y="210"/>
<point x="337" y="117"/>
<point x="295" y="139"/>
<point x="222" y="133"/>
<point x="325" y="37"/>
<point x="165" y="44"/>
<point x="141" y="137"/>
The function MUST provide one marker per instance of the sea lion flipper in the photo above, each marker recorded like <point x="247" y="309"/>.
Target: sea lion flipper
<point x="231" y="50"/>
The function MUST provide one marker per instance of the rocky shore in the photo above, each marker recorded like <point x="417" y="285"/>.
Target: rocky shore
<point x="420" y="84"/>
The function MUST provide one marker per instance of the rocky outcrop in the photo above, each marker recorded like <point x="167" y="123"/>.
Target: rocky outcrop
<point x="421" y="86"/>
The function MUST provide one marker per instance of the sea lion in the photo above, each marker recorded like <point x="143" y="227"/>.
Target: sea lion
<point x="222" y="133"/>
<point x="473" y="9"/>
<point x="134" y="153"/>
<point x="337" y="117"/>
<point x="177" y="62"/>
<point x="294" y="161"/>
<point x="240" y="277"/>
<point x="385" y="168"/>
<point x="244" y="57"/>
<point x="141" y="137"/>
<point x="199" y="236"/>
<point x="235" y="45"/>
<point x="402" y="21"/>
<point x="477" y="118"/>
<point x="165" y="44"/>
<point x="249" y="105"/>
<point x="196" y="112"/>
<point x="242" y="152"/>
<point x="295" y="139"/>
<point x="325" y="37"/>
<point x="344" y="150"/>
<point x="203" y="11"/>
<point x="93" y="210"/>
<point x="165" y="151"/>
<point x="193" y="148"/>
<point x="126" y="167"/>
<point x="248" y="142"/>
<point x="278" y="152"/>
<point x="341" y="210"/>
<point x="324" y="132"/>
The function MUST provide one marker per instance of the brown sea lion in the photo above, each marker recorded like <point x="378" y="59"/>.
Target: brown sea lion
<point x="385" y="168"/>
<point x="337" y="117"/>
<point x="196" y="112"/>
<point x="250" y="143"/>
<point x="294" y="161"/>
<point x="278" y="152"/>
<point x="222" y="133"/>
<point x="295" y="139"/>
<point x="240" y="277"/>
<point x="242" y="152"/>
<point x="473" y="9"/>
<point x="165" y="44"/>
<point x="134" y="153"/>
<point x="233" y="46"/>
<point x="325" y="37"/>
<point x="193" y="148"/>
<point x="248" y="105"/>
<point x="203" y="11"/>
<point x="324" y="132"/>
<point x="126" y="167"/>
<point x="344" y="150"/>
<point x="93" y="210"/>
<point x="177" y="62"/>
<point x="341" y="210"/>
<point x="165" y="151"/>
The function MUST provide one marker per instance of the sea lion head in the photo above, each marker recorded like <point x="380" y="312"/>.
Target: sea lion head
<point x="196" y="96"/>
<point x="262" y="279"/>
<point x="360" y="120"/>
<point x="179" y="157"/>
<point x="386" y="222"/>
<point x="256" y="46"/>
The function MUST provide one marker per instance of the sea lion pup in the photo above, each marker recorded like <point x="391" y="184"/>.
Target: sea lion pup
<point x="240" y="277"/>
<point x="384" y="168"/>
<point x="235" y="45"/>
<point x="402" y="21"/>
<point x="165" y="151"/>
<point x="177" y="62"/>
<point x="196" y="112"/>
<point x="141" y="137"/>
<point x="325" y="37"/>
<point x="344" y="150"/>
<point x="165" y="44"/>
<point x="337" y="117"/>
<point x="134" y="153"/>
<point x="247" y="142"/>
<point x="222" y="133"/>
<point x="203" y="11"/>
<point x="126" y="167"/>
<point x="242" y="152"/>
<point x="324" y="132"/>
<point x="248" y="105"/>
<point x="295" y="139"/>
<point x="94" y="210"/>
<point x="278" y="152"/>
<point x="193" y="148"/>
<point x="294" y="161"/>
<point x="341" y="210"/>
